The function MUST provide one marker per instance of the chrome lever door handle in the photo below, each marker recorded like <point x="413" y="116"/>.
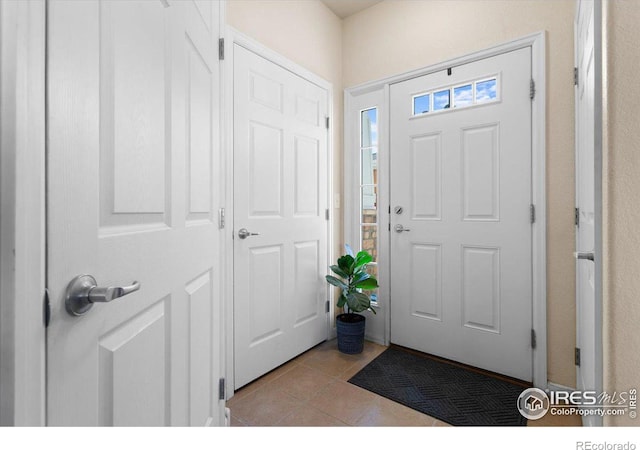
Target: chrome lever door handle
<point x="399" y="228"/>
<point x="83" y="291"/>
<point x="584" y="255"/>
<point x="243" y="233"/>
<point x="107" y="294"/>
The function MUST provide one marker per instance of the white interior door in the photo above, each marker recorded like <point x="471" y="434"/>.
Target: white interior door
<point x="588" y="370"/>
<point x="461" y="271"/>
<point x="133" y="173"/>
<point x="280" y="193"/>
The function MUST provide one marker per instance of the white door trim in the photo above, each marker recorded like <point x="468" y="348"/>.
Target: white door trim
<point x="537" y="42"/>
<point x="597" y="154"/>
<point x="232" y="37"/>
<point x="377" y="329"/>
<point x="22" y="223"/>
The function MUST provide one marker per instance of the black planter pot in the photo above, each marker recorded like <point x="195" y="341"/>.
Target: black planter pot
<point x="350" y="329"/>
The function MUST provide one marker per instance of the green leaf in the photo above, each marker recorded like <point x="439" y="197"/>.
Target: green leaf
<point x="341" y="301"/>
<point x="336" y="282"/>
<point x="338" y="271"/>
<point x="345" y="263"/>
<point x="359" y="276"/>
<point x="362" y="258"/>
<point x="367" y="284"/>
<point x="358" y="301"/>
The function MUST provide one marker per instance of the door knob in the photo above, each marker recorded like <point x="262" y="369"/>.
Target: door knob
<point x="243" y="233"/>
<point x="83" y="292"/>
<point x="399" y="228"/>
<point x="584" y="255"/>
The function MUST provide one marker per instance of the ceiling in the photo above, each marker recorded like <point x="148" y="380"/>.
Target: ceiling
<point x="345" y="8"/>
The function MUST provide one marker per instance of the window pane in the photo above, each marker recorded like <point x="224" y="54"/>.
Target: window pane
<point x="370" y="240"/>
<point x="369" y="127"/>
<point x="463" y="96"/>
<point x="369" y="204"/>
<point x="486" y="91"/>
<point x="421" y="104"/>
<point x="441" y="100"/>
<point x="369" y="166"/>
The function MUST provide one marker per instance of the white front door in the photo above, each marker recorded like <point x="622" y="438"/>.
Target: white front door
<point x="461" y="281"/>
<point x="133" y="172"/>
<point x="280" y="195"/>
<point x="589" y="370"/>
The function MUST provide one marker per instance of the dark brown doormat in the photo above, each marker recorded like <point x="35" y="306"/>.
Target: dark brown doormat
<point x="449" y="392"/>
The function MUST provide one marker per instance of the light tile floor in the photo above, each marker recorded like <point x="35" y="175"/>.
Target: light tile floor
<point x="312" y="390"/>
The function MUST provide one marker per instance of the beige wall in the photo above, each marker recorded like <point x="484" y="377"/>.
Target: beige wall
<point x="397" y="36"/>
<point x="309" y="34"/>
<point x="621" y="189"/>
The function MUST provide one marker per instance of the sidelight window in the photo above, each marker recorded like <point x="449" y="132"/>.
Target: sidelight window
<point x="369" y="186"/>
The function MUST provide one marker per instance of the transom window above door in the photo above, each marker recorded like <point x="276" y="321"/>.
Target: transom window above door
<point x="477" y="92"/>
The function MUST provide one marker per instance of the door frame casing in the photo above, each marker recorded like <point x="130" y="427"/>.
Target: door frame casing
<point x="537" y="43"/>
<point x="597" y="154"/>
<point x="233" y="37"/>
<point x="22" y="222"/>
<point x="377" y="329"/>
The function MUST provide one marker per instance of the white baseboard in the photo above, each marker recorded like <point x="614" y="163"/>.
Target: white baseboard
<point x="374" y="339"/>
<point x="559" y="388"/>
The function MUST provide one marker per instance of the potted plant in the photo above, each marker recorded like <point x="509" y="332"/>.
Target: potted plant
<point x="353" y="280"/>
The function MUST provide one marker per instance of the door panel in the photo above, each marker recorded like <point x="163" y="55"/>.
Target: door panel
<point x="265" y="170"/>
<point x="426" y="281"/>
<point x="481" y="288"/>
<point x="133" y="156"/>
<point x="461" y="269"/>
<point x="481" y="173"/>
<point x="280" y="192"/>
<point x="121" y="402"/>
<point x="426" y="186"/>
<point x="265" y="293"/>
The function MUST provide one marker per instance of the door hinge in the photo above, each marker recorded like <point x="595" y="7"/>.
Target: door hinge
<point x="576" y="76"/>
<point x="221" y="49"/>
<point x="389" y="209"/>
<point x="576" y="218"/>
<point x="327" y="306"/>
<point x="534" y="342"/>
<point x="532" y="89"/>
<point x="326" y="121"/>
<point x="577" y="357"/>
<point x="222" y="389"/>
<point x="46" y="309"/>
<point x="389" y="227"/>
<point x="221" y="219"/>
<point x="326" y="214"/>
<point x="532" y="213"/>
